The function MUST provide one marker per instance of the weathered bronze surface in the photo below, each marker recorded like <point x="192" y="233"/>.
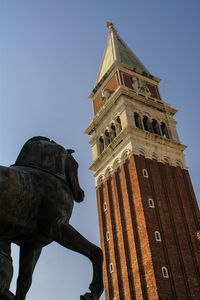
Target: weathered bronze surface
<point x="36" y="203"/>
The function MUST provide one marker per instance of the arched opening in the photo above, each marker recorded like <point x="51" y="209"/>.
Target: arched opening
<point x="164" y="130"/>
<point x="118" y="125"/>
<point x="178" y="163"/>
<point x="154" y="156"/>
<point x="165" y="272"/>
<point x="107" y="236"/>
<point x="166" y="160"/>
<point x="145" y="173"/>
<point x="107" y="138"/>
<point x="101" y="144"/>
<point x="155" y="127"/>
<point x="141" y="151"/>
<point x="151" y="203"/>
<point x="113" y="132"/>
<point x="147" y="124"/>
<point x="138" y="122"/>
<point x="111" y="268"/>
<point x="100" y="180"/>
<point x="158" y="236"/>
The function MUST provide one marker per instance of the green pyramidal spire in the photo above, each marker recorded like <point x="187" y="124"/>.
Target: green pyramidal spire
<point x="117" y="51"/>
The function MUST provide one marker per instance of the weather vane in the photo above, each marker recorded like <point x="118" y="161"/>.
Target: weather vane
<point x="110" y="24"/>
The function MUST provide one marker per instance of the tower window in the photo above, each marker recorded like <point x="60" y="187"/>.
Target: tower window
<point x="155" y="127"/>
<point x="104" y="207"/>
<point x="138" y="122"/>
<point x="107" y="138"/>
<point x="147" y="124"/>
<point x="101" y="145"/>
<point x="145" y="173"/>
<point x="111" y="268"/>
<point x="151" y="203"/>
<point x="118" y="125"/>
<point x="164" y="130"/>
<point x="158" y="236"/>
<point x="165" y="272"/>
<point x="119" y="121"/>
<point x="113" y="131"/>
<point x="107" y="236"/>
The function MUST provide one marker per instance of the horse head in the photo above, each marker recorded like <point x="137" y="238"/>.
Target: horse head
<point x="71" y="172"/>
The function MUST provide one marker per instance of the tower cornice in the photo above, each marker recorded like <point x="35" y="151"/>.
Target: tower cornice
<point x="148" y="141"/>
<point x="120" y="91"/>
<point x="118" y="66"/>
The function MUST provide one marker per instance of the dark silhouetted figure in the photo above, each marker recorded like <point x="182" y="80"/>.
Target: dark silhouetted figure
<point x="37" y="194"/>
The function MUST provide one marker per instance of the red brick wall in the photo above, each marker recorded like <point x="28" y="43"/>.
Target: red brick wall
<point x="154" y="91"/>
<point x="174" y="218"/>
<point x="145" y="264"/>
<point x="98" y="103"/>
<point x="127" y="79"/>
<point x="102" y="227"/>
<point x="123" y="250"/>
<point x="136" y="255"/>
<point x="105" y="222"/>
<point x="111" y="85"/>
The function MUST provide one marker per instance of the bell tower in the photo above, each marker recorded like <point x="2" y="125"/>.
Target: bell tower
<point x="148" y="213"/>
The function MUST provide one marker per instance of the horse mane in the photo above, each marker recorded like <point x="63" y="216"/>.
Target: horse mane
<point x="37" y="138"/>
<point x="42" y="153"/>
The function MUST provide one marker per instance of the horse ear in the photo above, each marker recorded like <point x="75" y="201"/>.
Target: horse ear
<point x="70" y="151"/>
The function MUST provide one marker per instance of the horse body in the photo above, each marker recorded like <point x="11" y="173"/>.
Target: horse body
<point x="37" y="195"/>
<point x="24" y="203"/>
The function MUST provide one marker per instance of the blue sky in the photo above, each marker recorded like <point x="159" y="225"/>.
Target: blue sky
<point x="50" y="53"/>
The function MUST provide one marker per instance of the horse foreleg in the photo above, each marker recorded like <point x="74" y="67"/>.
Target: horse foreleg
<point x="67" y="236"/>
<point x="6" y="271"/>
<point x="28" y="259"/>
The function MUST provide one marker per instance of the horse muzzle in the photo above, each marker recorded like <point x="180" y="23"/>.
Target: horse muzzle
<point x="80" y="196"/>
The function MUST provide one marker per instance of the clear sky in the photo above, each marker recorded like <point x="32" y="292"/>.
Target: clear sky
<point x="50" y="53"/>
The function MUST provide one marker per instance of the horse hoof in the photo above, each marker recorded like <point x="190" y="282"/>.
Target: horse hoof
<point x="87" y="296"/>
<point x="96" y="292"/>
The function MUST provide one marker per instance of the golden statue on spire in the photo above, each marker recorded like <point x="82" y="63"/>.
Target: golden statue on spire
<point x="110" y="24"/>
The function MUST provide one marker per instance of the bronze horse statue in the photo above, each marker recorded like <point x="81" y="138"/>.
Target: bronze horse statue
<point x="36" y="203"/>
